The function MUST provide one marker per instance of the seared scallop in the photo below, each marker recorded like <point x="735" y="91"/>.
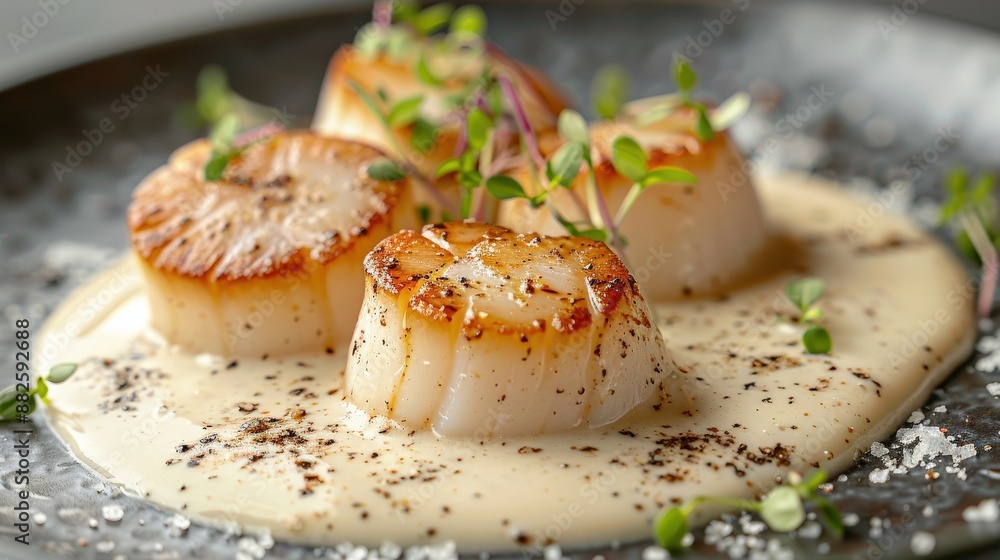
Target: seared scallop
<point x="268" y="259"/>
<point x="472" y="329"/>
<point x="682" y="239"/>
<point x="343" y="111"/>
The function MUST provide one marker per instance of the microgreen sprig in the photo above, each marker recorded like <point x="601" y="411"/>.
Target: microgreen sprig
<point x="803" y="293"/>
<point x="630" y="160"/>
<point x="970" y="208"/>
<point x="11" y="398"/>
<point x="782" y="509"/>
<point x="609" y="90"/>
<point x="707" y="122"/>
<point x="235" y="122"/>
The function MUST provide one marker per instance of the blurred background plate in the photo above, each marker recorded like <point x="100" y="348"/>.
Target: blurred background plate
<point x="864" y="93"/>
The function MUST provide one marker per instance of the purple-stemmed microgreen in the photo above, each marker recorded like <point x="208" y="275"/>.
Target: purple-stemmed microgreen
<point x="970" y="208"/>
<point x="783" y="509"/>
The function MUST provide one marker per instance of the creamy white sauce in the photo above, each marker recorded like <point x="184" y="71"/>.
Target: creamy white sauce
<point x="753" y="405"/>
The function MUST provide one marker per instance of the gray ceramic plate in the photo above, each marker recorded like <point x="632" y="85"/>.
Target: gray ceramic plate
<point x="881" y="104"/>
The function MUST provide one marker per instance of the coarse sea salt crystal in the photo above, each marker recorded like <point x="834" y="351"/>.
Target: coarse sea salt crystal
<point x="655" y="553"/>
<point x="994" y="389"/>
<point x="552" y="552"/>
<point x="987" y="511"/>
<point x="112" y="513"/>
<point x="916" y="417"/>
<point x="851" y="519"/>
<point x="878" y="476"/>
<point x="922" y="543"/>
<point x="940" y="409"/>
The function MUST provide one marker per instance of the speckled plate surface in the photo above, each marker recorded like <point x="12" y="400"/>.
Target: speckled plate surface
<point x="836" y="93"/>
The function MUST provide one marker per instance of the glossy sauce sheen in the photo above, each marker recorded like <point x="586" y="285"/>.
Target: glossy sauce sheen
<point x="272" y="444"/>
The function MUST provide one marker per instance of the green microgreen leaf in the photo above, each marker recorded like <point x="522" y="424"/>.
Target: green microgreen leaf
<point x="470" y="179"/>
<point x="214" y="95"/>
<point x="450" y="165"/>
<point x="573" y="127"/>
<point x="662" y="175"/>
<point x="629" y="158"/>
<point x="830" y="516"/>
<point x="61" y="372"/>
<point x="503" y="187"/>
<point x="425" y="75"/>
<point x="684" y="74"/>
<point x="730" y="111"/>
<point x="429" y="20"/>
<point x="609" y="90"/>
<point x="804" y="292"/>
<point x="469" y="19"/>
<point x="216" y="166"/>
<point x="564" y="165"/>
<point x="782" y="509"/>
<point x="42" y="389"/>
<point x="596" y="234"/>
<point x="479" y="128"/>
<point x="8" y="403"/>
<point x="423" y="138"/>
<point x="385" y="169"/>
<point x="810" y="484"/>
<point x="817" y="340"/>
<point x="703" y="128"/>
<point x="670" y="527"/>
<point x="664" y="106"/>
<point x="405" y="111"/>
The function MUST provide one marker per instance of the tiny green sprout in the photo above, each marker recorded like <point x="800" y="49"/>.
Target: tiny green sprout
<point x="222" y="138"/>
<point x="630" y="160"/>
<point x="384" y="169"/>
<point x="468" y="20"/>
<point x="425" y="75"/>
<point x="973" y="199"/>
<point x="405" y="111"/>
<point x="61" y="372"/>
<point x="703" y="128"/>
<point x="817" y="340"/>
<point x="427" y="21"/>
<point x="783" y="509"/>
<point x="609" y="90"/>
<point x="670" y="528"/>
<point x="573" y="128"/>
<point x="684" y="75"/>
<point x="503" y="187"/>
<point x="804" y="293"/>
<point x="16" y="403"/>
<point x="564" y="165"/>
